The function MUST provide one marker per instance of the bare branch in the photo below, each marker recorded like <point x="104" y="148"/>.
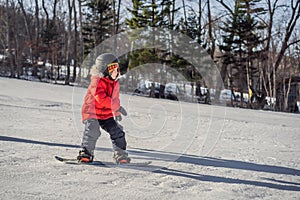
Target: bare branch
<point x="225" y="6"/>
<point x="292" y="43"/>
<point x="289" y="29"/>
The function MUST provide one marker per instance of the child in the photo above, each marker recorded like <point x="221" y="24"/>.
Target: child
<point x="101" y="105"/>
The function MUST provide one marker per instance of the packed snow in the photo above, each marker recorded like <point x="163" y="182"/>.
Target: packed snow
<point x="197" y="151"/>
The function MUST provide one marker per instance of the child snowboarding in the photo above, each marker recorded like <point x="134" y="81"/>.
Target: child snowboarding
<point x="101" y="108"/>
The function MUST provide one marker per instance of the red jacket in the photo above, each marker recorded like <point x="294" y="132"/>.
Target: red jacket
<point x="102" y="99"/>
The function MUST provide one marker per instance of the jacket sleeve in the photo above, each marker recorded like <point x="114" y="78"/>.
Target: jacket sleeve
<point x="116" y="99"/>
<point x="93" y="85"/>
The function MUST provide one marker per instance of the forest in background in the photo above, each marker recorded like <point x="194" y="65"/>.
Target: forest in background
<point x="255" y="44"/>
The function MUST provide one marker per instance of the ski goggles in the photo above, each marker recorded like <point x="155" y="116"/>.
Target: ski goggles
<point x="112" y="66"/>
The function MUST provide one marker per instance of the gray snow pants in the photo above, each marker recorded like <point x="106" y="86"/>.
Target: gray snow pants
<point x="92" y="133"/>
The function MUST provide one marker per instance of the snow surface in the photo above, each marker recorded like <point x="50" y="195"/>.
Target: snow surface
<point x="197" y="151"/>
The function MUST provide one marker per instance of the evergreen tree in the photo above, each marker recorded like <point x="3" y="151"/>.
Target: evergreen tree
<point x="97" y="25"/>
<point x="136" y="20"/>
<point x="160" y="13"/>
<point x="242" y="44"/>
<point x="147" y="13"/>
<point x="150" y="13"/>
<point x="190" y="29"/>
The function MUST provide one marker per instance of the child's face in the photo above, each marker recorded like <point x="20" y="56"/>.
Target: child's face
<point x="113" y="70"/>
<point x="115" y="73"/>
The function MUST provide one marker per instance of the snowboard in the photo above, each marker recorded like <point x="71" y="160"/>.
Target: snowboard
<point x="74" y="161"/>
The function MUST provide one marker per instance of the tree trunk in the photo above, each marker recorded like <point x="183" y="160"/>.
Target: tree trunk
<point x="184" y="14"/>
<point x="75" y="43"/>
<point x="118" y="17"/>
<point x="69" y="39"/>
<point x="29" y="34"/>
<point x="172" y="16"/>
<point x="37" y="19"/>
<point x="274" y="85"/>
<point x="286" y="92"/>
<point x="211" y="38"/>
<point x="36" y="35"/>
<point x="81" y="48"/>
<point x="8" y="41"/>
<point x="46" y="12"/>
<point x="199" y="28"/>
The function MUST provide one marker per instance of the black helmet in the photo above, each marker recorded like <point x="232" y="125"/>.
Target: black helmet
<point x="104" y="60"/>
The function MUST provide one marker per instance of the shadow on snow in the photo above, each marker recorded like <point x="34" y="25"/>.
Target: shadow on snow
<point x="196" y="160"/>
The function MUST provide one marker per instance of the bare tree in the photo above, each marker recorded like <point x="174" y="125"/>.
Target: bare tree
<point x="295" y="9"/>
<point x="274" y="59"/>
<point x="199" y="22"/>
<point x="272" y="7"/>
<point x="37" y="20"/>
<point x="173" y="15"/>
<point x="118" y="16"/>
<point x="8" y="40"/>
<point x="184" y="15"/>
<point x="69" y="39"/>
<point x="26" y="22"/>
<point x="210" y="31"/>
<point x="36" y="35"/>
<point x="81" y="50"/>
<point x="75" y="43"/>
<point x="286" y="87"/>
<point x="46" y="12"/>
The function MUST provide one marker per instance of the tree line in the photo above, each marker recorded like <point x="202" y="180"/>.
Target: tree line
<point x="254" y="43"/>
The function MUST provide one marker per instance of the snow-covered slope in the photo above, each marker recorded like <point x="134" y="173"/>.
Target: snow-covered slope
<point x="197" y="151"/>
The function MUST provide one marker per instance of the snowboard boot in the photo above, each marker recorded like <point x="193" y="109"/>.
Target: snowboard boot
<point x="121" y="157"/>
<point x="85" y="156"/>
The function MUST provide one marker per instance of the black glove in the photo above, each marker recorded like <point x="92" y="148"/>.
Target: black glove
<point x="122" y="111"/>
<point x="118" y="118"/>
